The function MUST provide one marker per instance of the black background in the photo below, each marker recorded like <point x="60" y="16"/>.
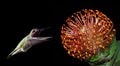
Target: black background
<point x="19" y="17"/>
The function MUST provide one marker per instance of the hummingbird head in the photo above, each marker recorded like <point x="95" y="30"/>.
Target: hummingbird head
<point x="36" y="32"/>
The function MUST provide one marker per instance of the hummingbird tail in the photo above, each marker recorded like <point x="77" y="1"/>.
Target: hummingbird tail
<point x="13" y="53"/>
<point x="9" y="56"/>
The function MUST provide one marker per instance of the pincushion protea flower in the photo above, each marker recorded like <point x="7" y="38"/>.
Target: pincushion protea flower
<point x="86" y="33"/>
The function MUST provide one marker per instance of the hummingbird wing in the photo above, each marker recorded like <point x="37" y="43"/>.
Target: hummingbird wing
<point x="41" y="38"/>
<point x="36" y="40"/>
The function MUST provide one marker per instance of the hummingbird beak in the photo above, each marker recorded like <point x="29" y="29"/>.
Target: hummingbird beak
<point x="40" y="30"/>
<point x="43" y="29"/>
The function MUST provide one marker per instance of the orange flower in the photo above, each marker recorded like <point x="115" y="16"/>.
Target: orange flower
<point x="86" y="32"/>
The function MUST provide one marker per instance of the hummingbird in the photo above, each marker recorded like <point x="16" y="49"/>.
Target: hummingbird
<point x="28" y="41"/>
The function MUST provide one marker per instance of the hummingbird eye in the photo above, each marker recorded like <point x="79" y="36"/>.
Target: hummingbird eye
<point x="33" y="31"/>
